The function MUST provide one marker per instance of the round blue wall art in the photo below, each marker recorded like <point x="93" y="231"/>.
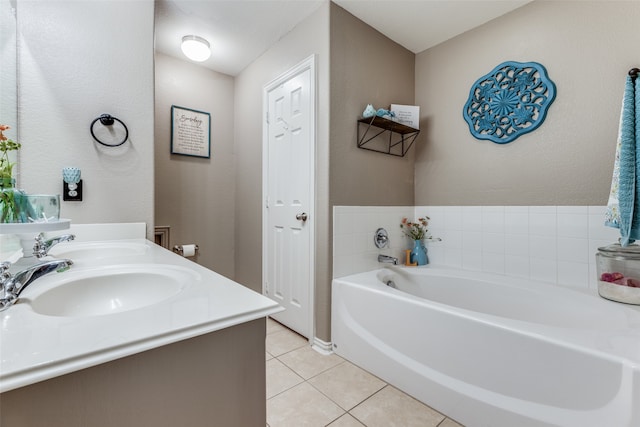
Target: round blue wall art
<point x="510" y="101"/>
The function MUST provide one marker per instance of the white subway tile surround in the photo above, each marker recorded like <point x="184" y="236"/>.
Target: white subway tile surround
<point x="555" y="244"/>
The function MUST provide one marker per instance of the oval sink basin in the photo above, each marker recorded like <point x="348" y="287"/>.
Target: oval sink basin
<point x="95" y="250"/>
<point x="110" y="290"/>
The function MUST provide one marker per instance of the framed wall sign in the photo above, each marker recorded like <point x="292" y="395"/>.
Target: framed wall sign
<point x="190" y="132"/>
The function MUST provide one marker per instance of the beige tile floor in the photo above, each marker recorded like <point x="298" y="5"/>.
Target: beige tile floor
<point x="306" y="388"/>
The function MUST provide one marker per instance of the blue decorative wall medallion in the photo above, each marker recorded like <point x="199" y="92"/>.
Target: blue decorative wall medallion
<point x="510" y="101"/>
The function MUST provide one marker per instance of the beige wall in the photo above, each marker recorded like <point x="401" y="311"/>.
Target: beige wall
<point x="309" y="37"/>
<point x="366" y="68"/>
<point x="72" y="68"/>
<point x="196" y="196"/>
<point x="587" y="48"/>
<point x="351" y="176"/>
<point x="234" y="191"/>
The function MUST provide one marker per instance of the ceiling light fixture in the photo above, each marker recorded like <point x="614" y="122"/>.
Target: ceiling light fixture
<point x="196" y="48"/>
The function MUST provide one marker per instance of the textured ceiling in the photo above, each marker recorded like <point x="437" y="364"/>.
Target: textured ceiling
<point x="420" y="24"/>
<point x="241" y="30"/>
<point x="238" y="30"/>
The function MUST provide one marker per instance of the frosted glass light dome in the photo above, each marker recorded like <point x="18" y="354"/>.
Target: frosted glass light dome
<point x="196" y="48"/>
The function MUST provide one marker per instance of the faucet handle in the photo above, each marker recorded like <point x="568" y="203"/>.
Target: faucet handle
<point x="39" y="247"/>
<point x="4" y="272"/>
<point x="4" y="267"/>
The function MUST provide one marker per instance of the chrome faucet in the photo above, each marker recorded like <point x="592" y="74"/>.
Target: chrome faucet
<point x="388" y="259"/>
<point x="41" y="247"/>
<point x="12" y="286"/>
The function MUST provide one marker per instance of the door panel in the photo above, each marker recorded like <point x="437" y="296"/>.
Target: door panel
<point x="289" y="192"/>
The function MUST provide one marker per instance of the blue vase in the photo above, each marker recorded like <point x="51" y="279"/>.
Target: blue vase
<point x="419" y="253"/>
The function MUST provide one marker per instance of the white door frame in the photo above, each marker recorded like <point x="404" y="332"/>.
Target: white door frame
<point x="310" y="64"/>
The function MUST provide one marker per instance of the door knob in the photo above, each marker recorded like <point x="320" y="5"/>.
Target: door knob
<point x="302" y="217"/>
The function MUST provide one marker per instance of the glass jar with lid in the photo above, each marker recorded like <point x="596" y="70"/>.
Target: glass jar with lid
<point x="619" y="273"/>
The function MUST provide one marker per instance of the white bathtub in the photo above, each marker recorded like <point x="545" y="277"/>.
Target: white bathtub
<point x="490" y="350"/>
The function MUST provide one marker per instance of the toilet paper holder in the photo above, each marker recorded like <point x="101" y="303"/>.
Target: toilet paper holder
<point x="179" y="249"/>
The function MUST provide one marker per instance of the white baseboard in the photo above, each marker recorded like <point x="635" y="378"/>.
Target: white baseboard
<point x="322" y="347"/>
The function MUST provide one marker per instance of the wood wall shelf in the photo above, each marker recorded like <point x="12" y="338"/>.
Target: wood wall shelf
<point x="401" y="137"/>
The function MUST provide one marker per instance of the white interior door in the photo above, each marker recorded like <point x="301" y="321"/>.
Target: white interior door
<point x="288" y="216"/>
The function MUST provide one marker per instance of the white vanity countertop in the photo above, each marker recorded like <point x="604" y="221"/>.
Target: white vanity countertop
<point x="35" y="347"/>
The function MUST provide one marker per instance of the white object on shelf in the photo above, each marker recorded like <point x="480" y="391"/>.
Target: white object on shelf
<point x="408" y="115"/>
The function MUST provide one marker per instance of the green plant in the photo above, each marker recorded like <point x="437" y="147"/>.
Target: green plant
<point x="415" y="230"/>
<point x="6" y="145"/>
<point x="10" y="198"/>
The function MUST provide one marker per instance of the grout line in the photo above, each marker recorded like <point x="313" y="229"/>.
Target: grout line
<point x="287" y="389"/>
<point x="319" y="373"/>
<point x="358" y="419"/>
<point x="345" y="411"/>
<point x="360" y="402"/>
<point x="328" y="397"/>
<point x="334" y="420"/>
<point x="348" y="411"/>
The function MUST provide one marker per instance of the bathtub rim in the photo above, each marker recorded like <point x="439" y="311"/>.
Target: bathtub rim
<point x="582" y="340"/>
<point x="492" y="408"/>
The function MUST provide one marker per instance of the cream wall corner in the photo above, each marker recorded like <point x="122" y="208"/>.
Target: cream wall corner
<point x="367" y="68"/>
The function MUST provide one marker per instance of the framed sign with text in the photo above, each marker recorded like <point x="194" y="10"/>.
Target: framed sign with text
<point x="190" y="132"/>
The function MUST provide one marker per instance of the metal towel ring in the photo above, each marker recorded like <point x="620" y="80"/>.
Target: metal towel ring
<point x="108" y="120"/>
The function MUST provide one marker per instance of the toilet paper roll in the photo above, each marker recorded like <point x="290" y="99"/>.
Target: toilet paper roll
<point x="188" y="250"/>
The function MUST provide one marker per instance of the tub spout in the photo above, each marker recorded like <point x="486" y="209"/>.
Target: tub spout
<point x="388" y="259"/>
<point x="12" y="286"/>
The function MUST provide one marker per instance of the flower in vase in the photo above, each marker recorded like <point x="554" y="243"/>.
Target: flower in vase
<point x="10" y="198"/>
<point x="6" y="145"/>
<point x="415" y="230"/>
